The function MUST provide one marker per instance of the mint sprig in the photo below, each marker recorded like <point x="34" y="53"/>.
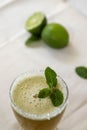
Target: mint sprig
<point x="52" y="91"/>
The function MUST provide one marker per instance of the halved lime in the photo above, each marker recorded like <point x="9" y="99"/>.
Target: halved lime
<point x="55" y="35"/>
<point x="36" y="23"/>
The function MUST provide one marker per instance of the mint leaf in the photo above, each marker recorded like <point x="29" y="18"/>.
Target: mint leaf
<point x="44" y="93"/>
<point x="51" y="77"/>
<point x="31" y="40"/>
<point x="81" y="71"/>
<point x="57" y="97"/>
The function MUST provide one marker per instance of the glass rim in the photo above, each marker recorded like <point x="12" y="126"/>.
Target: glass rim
<point x="36" y="116"/>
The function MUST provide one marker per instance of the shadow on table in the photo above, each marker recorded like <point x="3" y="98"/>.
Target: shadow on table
<point x="15" y="126"/>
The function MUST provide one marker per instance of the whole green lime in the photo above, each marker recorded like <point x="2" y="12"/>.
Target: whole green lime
<point x="35" y="23"/>
<point x="55" y="35"/>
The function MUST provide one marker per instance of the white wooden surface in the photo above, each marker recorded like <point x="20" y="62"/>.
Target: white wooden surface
<point x="16" y="58"/>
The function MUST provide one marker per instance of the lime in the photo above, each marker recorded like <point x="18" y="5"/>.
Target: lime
<point x="36" y="23"/>
<point x="55" y="35"/>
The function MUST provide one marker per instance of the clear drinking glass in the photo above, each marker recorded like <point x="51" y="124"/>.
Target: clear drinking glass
<point x="30" y="121"/>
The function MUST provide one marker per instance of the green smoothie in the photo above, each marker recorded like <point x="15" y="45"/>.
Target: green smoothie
<point x="25" y="96"/>
<point x="34" y="113"/>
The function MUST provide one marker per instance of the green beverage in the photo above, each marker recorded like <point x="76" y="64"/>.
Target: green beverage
<point x="34" y="113"/>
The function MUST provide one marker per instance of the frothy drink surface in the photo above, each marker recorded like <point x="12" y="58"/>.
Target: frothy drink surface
<point x="24" y="96"/>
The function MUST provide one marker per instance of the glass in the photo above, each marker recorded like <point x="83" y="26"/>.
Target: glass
<point x="29" y="121"/>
